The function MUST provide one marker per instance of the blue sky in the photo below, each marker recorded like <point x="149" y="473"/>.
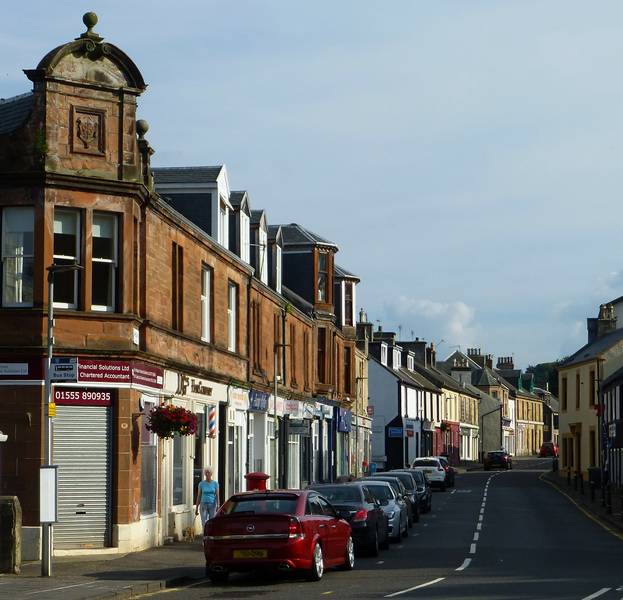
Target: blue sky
<point x="465" y="156"/>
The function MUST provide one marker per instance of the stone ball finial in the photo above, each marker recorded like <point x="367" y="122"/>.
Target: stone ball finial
<point x="90" y="20"/>
<point x="142" y="127"/>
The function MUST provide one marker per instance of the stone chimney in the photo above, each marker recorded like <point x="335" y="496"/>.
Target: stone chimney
<point x="479" y="358"/>
<point x="419" y="349"/>
<point x="506" y="363"/>
<point x="431" y="355"/>
<point x="364" y="329"/>
<point x="603" y="324"/>
<point x="461" y="371"/>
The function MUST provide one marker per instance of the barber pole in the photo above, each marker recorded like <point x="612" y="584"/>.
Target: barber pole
<point x="212" y="422"/>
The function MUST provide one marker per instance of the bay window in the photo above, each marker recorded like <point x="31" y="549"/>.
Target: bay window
<point x="17" y="252"/>
<point x="104" y="273"/>
<point x="66" y="252"/>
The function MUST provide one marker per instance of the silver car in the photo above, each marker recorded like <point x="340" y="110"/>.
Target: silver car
<point x="393" y="506"/>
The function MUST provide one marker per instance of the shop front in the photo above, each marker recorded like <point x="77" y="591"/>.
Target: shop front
<point x="239" y="427"/>
<point x="469" y="443"/>
<point x="343" y="428"/>
<point x="186" y="457"/>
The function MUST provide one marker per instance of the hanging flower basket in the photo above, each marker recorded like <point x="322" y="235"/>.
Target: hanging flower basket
<point x="167" y="421"/>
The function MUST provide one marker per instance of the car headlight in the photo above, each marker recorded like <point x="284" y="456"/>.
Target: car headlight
<point x="390" y="515"/>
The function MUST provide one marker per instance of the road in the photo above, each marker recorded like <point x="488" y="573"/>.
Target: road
<point x="497" y="535"/>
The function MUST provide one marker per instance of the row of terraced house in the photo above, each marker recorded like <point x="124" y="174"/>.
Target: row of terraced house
<point x="187" y="295"/>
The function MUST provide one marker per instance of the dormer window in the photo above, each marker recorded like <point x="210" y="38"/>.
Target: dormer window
<point x="384" y="354"/>
<point x="245" y="245"/>
<point x="323" y="277"/>
<point x="223" y="224"/>
<point x="396" y="358"/>
<point x="262" y="254"/>
<point x="410" y="363"/>
<point x="278" y="268"/>
<point x="349" y="303"/>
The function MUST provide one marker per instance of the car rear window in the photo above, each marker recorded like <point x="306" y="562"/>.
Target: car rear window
<point x="261" y="505"/>
<point x="406" y="479"/>
<point x="380" y="492"/>
<point x="425" y="463"/>
<point x="496" y="454"/>
<point x="340" y="493"/>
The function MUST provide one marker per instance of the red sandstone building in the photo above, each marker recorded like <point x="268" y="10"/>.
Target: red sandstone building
<point x="184" y="295"/>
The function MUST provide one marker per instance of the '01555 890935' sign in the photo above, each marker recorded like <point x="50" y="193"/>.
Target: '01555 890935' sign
<point x="82" y="397"/>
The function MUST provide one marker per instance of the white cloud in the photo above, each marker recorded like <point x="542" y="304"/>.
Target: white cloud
<point x="453" y="321"/>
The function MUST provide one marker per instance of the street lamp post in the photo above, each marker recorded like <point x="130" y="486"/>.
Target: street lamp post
<point x="46" y="528"/>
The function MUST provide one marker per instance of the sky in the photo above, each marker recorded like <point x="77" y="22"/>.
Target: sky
<point x="465" y="156"/>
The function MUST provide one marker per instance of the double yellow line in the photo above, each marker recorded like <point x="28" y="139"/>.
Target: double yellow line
<point x="591" y="516"/>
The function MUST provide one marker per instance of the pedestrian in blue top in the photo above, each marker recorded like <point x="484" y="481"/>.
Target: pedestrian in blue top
<point x="207" y="497"/>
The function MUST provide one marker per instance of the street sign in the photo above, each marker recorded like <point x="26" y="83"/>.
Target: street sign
<point x="64" y="368"/>
<point x="394" y="432"/>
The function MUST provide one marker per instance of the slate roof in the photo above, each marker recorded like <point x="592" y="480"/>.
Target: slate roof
<point x="296" y="235"/>
<point x="297" y="300"/>
<point x="256" y="216"/>
<point x="420" y="380"/>
<point x="186" y="174"/>
<point x="14" y="112"/>
<point x="594" y="349"/>
<point x="406" y="376"/>
<point x="342" y="273"/>
<point x="273" y="232"/>
<point x="236" y="198"/>
<point x="484" y="377"/>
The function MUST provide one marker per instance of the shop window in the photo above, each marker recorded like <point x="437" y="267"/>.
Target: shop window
<point x="17" y="245"/>
<point x="149" y="464"/>
<point x="105" y="252"/>
<point x="206" y="303"/>
<point x="178" y="470"/>
<point x="232" y="317"/>
<point x="66" y="252"/>
<point x="198" y="460"/>
<point x="293" y="461"/>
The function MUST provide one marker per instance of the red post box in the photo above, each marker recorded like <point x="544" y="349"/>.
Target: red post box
<point x="256" y="481"/>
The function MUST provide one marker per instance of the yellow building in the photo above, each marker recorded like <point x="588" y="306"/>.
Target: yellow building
<point x="529" y="423"/>
<point x="579" y="379"/>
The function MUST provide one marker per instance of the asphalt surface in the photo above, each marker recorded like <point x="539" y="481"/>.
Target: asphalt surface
<point x="497" y="535"/>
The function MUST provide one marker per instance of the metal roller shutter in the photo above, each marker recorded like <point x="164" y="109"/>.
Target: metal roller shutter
<point x="82" y="451"/>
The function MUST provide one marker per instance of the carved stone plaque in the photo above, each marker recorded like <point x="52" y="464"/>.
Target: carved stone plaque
<point x="87" y="130"/>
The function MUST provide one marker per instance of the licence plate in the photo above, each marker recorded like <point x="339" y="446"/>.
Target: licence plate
<point x="250" y="553"/>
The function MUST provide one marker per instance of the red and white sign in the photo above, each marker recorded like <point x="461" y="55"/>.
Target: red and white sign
<point x="82" y="397"/>
<point x="147" y="375"/>
<point x="91" y="370"/>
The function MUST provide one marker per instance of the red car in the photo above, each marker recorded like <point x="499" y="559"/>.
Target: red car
<point x="283" y="530"/>
<point x="548" y="449"/>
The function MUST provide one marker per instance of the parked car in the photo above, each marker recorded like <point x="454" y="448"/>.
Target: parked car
<point x="498" y="459"/>
<point x="394" y="507"/>
<point x="433" y="470"/>
<point x="548" y="449"/>
<point x="356" y="505"/>
<point x="449" y="469"/>
<point x="423" y="489"/>
<point x="413" y="510"/>
<point x="282" y="530"/>
<point x="409" y="482"/>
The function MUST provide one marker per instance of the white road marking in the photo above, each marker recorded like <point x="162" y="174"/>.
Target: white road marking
<point x="472" y="549"/>
<point x="380" y="562"/>
<point x="417" y="587"/>
<point x="479" y="518"/>
<point x="464" y="565"/>
<point x="476" y="536"/>
<point x="59" y="588"/>
<point x="483" y="505"/>
<point x="452" y="492"/>
<point x="478" y="526"/>
<point x="482" y="510"/>
<point x="598" y="593"/>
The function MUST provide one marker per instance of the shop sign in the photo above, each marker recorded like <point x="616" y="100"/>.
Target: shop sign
<point x="82" y="397"/>
<point x="23" y="369"/>
<point x="64" y="368"/>
<point x="299" y="427"/>
<point x="344" y="420"/>
<point x="13" y="369"/>
<point x="258" y="401"/>
<point x="428" y="425"/>
<point x="394" y="432"/>
<point x="147" y="375"/>
<point x="370" y="410"/>
<point x="293" y="408"/>
<point x="91" y="370"/>
<point x="409" y="425"/>
<point x="239" y="398"/>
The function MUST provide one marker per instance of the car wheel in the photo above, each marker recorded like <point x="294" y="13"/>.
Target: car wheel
<point x="373" y="548"/>
<point x="218" y="577"/>
<point x="317" y="569"/>
<point x="349" y="559"/>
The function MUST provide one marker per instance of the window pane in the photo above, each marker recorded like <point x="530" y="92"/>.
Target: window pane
<point x="17" y="281"/>
<point x="65" y="229"/>
<point x="65" y="283"/>
<point x="148" y="478"/>
<point x="103" y="284"/>
<point x="18" y="226"/>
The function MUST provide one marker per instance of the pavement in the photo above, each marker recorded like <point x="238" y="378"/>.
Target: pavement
<point x="503" y="535"/>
